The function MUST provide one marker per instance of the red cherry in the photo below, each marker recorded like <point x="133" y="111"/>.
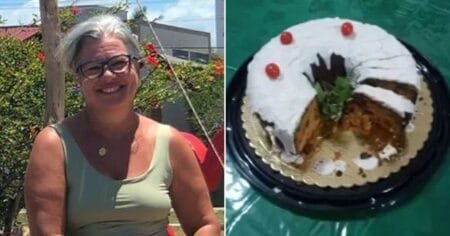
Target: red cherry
<point x="273" y="71"/>
<point x="286" y="38"/>
<point x="347" y="29"/>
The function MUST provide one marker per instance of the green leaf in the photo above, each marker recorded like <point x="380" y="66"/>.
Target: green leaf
<point x="332" y="101"/>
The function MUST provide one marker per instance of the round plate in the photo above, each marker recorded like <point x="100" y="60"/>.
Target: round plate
<point x="374" y="196"/>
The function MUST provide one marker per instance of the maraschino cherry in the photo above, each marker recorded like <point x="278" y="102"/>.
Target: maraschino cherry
<point x="286" y="38"/>
<point x="347" y="29"/>
<point x="273" y="71"/>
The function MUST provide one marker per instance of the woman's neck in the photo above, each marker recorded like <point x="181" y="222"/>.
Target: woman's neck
<point x="111" y="125"/>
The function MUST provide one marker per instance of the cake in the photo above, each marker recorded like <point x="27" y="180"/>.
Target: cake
<point x="325" y="76"/>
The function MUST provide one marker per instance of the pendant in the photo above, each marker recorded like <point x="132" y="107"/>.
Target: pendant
<point x="101" y="151"/>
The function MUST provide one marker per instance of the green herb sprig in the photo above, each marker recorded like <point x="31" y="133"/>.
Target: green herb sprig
<point x="332" y="101"/>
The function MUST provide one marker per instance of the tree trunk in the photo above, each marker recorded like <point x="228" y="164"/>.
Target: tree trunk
<point x="54" y="96"/>
<point x="11" y="212"/>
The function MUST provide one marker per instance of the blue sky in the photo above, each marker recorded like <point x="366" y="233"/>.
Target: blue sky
<point x="192" y="14"/>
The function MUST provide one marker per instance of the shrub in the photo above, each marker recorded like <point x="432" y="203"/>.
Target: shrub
<point x="21" y="113"/>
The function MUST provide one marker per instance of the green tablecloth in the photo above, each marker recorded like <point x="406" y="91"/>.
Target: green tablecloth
<point x="423" y="24"/>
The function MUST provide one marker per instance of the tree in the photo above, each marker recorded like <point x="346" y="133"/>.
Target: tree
<point x="139" y="13"/>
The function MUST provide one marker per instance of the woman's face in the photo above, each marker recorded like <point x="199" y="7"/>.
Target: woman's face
<point x="111" y="90"/>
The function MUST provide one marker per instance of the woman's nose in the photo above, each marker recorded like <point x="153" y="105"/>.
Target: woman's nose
<point x="107" y="74"/>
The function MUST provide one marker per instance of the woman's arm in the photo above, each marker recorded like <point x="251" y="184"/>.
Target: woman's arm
<point x="45" y="185"/>
<point x="188" y="191"/>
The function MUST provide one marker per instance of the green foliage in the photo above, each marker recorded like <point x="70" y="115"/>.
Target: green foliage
<point x="332" y="101"/>
<point x="2" y="21"/>
<point x="203" y="88"/>
<point x="22" y="106"/>
<point x="207" y="96"/>
<point x="21" y="111"/>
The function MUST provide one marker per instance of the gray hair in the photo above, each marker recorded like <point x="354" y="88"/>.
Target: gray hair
<point x="96" y="27"/>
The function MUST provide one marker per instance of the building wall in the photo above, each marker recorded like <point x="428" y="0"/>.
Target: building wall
<point x="179" y="42"/>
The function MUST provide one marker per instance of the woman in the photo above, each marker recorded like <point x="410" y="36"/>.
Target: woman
<point x="108" y="170"/>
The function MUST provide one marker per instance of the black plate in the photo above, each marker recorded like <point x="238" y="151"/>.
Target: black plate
<point x="374" y="196"/>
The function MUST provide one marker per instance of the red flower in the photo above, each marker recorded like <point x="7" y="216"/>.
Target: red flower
<point x="150" y="48"/>
<point x="152" y="61"/>
<point x="218" y="68"/>
<point x="75" y="11"/>
<point x="40" y="56"/>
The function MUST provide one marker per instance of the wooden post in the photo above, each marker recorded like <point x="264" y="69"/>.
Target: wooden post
<point x="54" y="75"/>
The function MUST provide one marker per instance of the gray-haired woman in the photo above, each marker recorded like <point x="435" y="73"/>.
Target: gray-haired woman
<point x="108" y="170"/>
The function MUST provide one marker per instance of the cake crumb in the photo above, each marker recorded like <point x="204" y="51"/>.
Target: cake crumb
<point x="337" y="155"/>
<point x="365" y="155"/>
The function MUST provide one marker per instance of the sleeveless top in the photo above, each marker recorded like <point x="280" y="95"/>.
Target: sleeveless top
<point x="100" y="205"/>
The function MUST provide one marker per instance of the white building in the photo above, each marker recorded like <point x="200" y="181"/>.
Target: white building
<point x="220" y="35"/>
<point x="179" y="42"/>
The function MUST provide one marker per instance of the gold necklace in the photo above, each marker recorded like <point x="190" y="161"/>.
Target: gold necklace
<point x="102" y="150"/>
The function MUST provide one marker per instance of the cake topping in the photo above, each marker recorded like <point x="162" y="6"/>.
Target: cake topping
<point x="388" y="152"/>
<point x="410" y="127"/>
<point x="286" y="38"/>
<point x="347" y="29"/>
<point x="273" y="71"/>
<point x="366" y="161"/>
<point x="332" y="99"/>
<point x="326" y="167"/>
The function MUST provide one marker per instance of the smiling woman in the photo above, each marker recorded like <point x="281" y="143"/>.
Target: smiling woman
<point x="108" y="170"/>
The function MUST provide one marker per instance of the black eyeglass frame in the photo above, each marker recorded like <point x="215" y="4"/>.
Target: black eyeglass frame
<point x="104" y="64"/>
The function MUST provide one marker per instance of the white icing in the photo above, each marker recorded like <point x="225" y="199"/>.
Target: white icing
<point x="324" y="167"/>
<point x="291" y="158"/>
<point x="288" y="157"/>
<point x="369" y="163"/>
<point x="410" y="127"/>
<point x="396" y="102"/>
<point x="387" y="152"/>
<point x="327" y="167"/>
<point x="397" y="74"/>
<point x="369" y="52"/>
<point x="340" y="165"/>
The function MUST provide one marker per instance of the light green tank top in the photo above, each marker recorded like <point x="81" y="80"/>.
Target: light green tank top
<point x="100" y="205"/>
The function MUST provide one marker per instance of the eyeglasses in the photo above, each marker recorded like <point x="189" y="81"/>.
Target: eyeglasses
<point x="116" y="64"/>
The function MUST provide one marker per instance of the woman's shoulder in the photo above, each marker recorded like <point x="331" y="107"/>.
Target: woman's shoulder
<point x="47" y="148"/>
<point x="176" y="140"/>
<point x="48" y="136"/>
<point x="153" y="126"/>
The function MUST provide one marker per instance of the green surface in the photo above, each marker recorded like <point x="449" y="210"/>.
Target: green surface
<point x="423" y="24"/>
